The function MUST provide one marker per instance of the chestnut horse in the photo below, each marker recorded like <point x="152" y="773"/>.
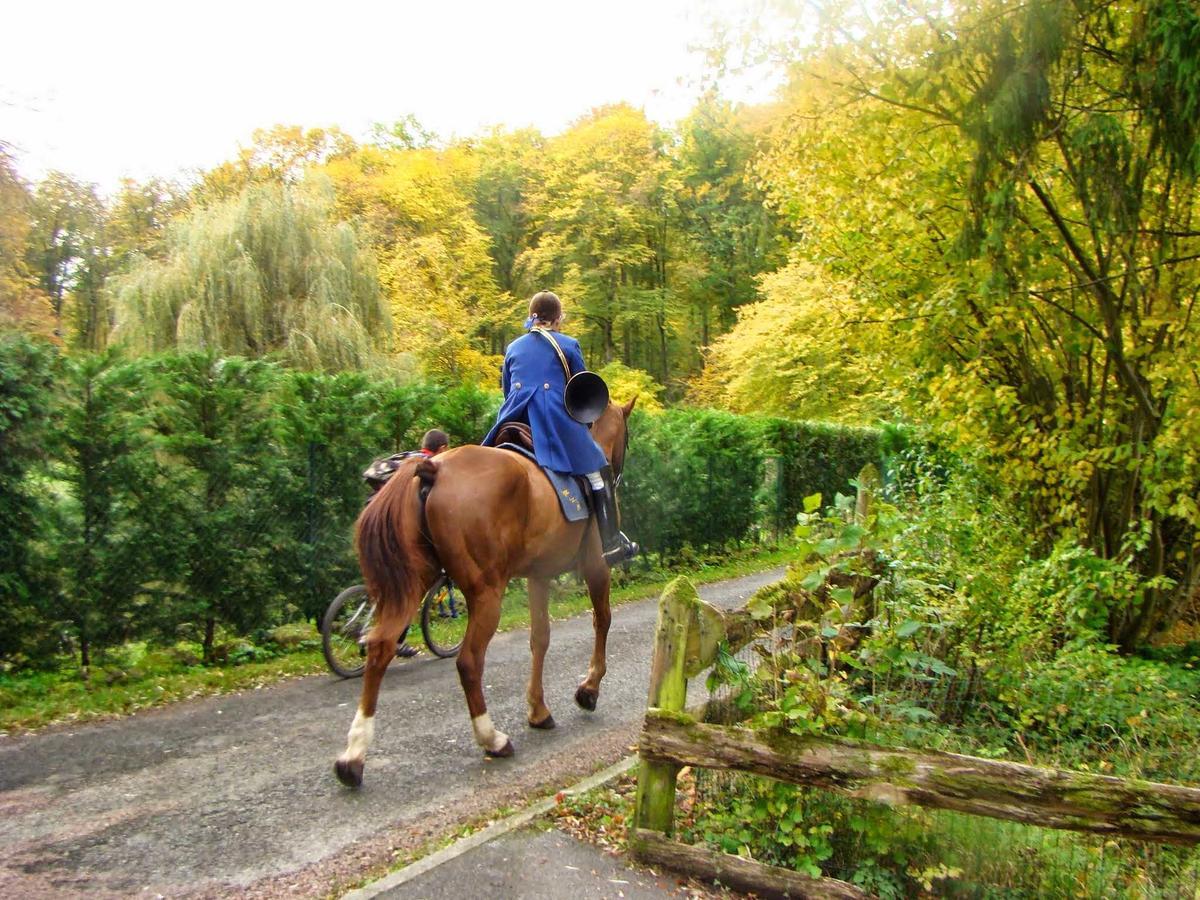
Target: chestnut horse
<point x="490" y="515"/>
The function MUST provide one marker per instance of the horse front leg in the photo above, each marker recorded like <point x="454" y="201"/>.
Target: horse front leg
<point x="539" y="642"/>
<point x="483" y="618"/>
<point x="598" y="580"/>
<point x="381" y="647"/>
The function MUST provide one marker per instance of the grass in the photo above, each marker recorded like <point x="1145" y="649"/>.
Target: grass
<point x="138" y="677"/>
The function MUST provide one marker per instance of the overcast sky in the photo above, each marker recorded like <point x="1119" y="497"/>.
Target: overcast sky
<point x="102" y="90"/>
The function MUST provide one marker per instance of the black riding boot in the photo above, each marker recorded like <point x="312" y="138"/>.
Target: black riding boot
<point x="617" y="547"/>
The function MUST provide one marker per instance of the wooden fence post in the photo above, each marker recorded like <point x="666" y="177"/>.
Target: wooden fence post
<point x="677" y="610"/>
<point x="868" y="488"/>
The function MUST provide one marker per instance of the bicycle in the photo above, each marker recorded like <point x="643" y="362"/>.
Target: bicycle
<point x="349" y="618"/>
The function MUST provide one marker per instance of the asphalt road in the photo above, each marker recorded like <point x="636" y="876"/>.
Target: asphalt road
<point x="236" y="794"/>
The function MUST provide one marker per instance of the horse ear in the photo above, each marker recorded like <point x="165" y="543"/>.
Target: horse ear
<point x="628" y="407"/>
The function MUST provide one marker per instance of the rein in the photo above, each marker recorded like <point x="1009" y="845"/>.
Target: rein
<point x="624" y="457"/>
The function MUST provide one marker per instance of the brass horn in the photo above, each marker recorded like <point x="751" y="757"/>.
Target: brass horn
<point x="586" y="397"/>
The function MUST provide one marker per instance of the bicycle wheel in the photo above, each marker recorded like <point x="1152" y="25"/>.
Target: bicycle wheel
<point x="346" y="622"/>
<point x="444" y="618"/>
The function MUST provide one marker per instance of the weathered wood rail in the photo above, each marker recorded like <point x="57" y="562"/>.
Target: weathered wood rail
<point x="689" y="633"/>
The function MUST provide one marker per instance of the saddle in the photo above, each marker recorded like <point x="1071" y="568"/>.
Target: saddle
<point x="517" y="434"/>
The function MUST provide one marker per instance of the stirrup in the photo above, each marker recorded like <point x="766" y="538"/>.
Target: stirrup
<point x="625" y="550"/>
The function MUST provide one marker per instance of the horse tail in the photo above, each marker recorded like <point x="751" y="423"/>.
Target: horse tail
<point x="395" y="558"/>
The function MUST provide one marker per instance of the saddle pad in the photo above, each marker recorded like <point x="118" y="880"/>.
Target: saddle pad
<point x="571" y="490"/>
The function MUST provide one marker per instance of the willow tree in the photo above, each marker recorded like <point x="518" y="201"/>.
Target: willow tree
<point x="1012" y="185"/>
<point x="268" y="272"/>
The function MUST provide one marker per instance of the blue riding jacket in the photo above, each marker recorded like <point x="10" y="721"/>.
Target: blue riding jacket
<point x="533" y="381"/>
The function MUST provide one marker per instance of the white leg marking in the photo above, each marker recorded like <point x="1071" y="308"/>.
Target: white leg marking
<point x="362" y="732"/>
<point x="486" y="735"/>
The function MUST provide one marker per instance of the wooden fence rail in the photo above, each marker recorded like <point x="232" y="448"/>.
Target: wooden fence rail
<point x="1052" y="798"/>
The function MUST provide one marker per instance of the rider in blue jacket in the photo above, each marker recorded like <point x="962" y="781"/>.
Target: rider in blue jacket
<point x="533" y="380"/>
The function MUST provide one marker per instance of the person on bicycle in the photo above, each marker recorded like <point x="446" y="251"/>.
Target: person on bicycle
<point x="434" y="442"/>
<point x="533" y="379"/>
<point x="377" y="474"/>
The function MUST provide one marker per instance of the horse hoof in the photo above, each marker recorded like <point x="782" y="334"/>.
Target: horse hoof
<point x="506" y="750"/>
<point x="546" y="724"/>
<point x="349" y="772"/>
<point x="586" y="699"/>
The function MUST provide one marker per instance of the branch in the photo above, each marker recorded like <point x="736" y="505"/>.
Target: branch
<point x="1107" y="300"/>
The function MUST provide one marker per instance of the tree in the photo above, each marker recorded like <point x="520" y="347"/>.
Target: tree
<point x="730" y="235"/>
<point x="215" y="427"/>
<point x="22" y="305"/>
<point x="509" y="167"/>
<point x="330" y="427"/>
<point x="269" y="272"/>
<point x="415" y="206"/>
<point x="624" y="384"/>
<point x="107" y="519"/>
<point x="281" y="154"/>
<point x="25" y="382"/>
<point x="138" y="219"/>
<point x="805" y="351"/>
<point x="1013" y="188"/>
<point x="600" y="218"/>
<point x="65" y="246"/>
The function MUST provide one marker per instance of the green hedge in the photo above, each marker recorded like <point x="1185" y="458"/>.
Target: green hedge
<point x="25" y="381"/>
<point x="704" y="480"/>
<point x="185" y="495"/>
<point x="815" y="458"/>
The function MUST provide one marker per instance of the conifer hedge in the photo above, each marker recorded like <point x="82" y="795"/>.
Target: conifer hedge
<point x="185" y="495"/>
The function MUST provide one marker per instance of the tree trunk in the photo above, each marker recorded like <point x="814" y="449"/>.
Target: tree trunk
<point x="210" y="627"/>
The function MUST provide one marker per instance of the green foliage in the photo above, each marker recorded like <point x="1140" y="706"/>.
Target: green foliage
<point x="180" y="497"/>
<point x="690" y="479"/>
<point x="815" y="458"/>
<point x="970" y="643"/>
<point x="328" y="425"/>
<point x="105" y="514"/>
<point x="25" y="379"/>
<point x="465" y="413"/>
<point x="1088" y="706"/>
<point x="699" y="479"/>
<point x="214" y="425"/>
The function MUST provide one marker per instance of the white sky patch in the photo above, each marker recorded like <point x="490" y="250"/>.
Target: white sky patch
<point x="124" y="88"/>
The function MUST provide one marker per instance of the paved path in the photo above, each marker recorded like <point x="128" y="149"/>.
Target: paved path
<point x="533" y="864"/>
<point x="226" y="793"/>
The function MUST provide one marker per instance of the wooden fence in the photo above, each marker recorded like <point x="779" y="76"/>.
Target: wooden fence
<point x="689" y="632"/>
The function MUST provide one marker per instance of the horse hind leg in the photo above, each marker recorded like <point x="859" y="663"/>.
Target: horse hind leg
<point x="539" y="643"/>
<point x="598" y="580"/>
<point x="381" y="647"/>
<point x="481" y="625"/>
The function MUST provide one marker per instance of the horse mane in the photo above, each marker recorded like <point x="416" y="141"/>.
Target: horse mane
<point x="392" y="553"/>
